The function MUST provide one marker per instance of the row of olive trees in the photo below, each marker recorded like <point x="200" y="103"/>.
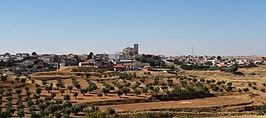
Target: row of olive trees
<point x="17" y="79"/>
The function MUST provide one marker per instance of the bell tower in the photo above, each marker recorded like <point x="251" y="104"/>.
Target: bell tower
<point x="136" y="49"/>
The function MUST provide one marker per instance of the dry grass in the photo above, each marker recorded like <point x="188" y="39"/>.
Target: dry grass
<point x="195" y="103"/>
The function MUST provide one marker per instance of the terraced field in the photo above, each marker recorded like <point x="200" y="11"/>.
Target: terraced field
<point x="126" y="93"/>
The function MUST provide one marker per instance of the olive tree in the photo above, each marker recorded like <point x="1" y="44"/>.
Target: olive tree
<point x="70" y="88"/>
<point x="21" y="113"/>
<point x="119" y="93"/>
<point x="75" y="95"/>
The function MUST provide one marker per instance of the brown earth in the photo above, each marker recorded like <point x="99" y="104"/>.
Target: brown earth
<point x="220" y="101"/>
<point x="232" y="104"/>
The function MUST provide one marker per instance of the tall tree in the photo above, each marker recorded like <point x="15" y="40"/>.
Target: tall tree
<point x="90" y="56"/>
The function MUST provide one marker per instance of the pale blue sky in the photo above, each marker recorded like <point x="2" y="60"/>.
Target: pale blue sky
<point x="169" y="27"/>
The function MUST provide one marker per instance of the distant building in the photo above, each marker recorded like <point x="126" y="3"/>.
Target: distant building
<point x="103" y="57"/>
<point x="129" y="65"/>
<point x="68" y="62"/>
<point x="113" y="56"/>
<point x="90" y="62"/>
<point x="136" y="49"/>
<point x="21" y="56"/>
<point x="28" y="62"/>
<point x="62" y="65"/>
<point x="131" y="51"/>
<point x="116" y="56"/>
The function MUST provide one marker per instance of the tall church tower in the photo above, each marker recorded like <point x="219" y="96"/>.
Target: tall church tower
<point x="136" y="49"/>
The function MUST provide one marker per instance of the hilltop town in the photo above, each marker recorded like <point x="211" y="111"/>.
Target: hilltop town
<point x="128" y="59"/>
<point x="130" y="84"/>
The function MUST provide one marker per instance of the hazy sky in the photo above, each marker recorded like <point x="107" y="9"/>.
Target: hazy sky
<point x="169" y="27"/>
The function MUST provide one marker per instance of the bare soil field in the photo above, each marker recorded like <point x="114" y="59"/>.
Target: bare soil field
<point x="221" y="101"/>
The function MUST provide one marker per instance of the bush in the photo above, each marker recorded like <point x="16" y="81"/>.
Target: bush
<point x="74" y="70"/>
<point x="263" y="109"/>
<point x="110" y="111"/>
<point x="232" y="69"/>
<point x="228" y="89"/>
<point x="245" y="89"/>
<point x="194" y="67"/>
<point x="5" y="114"/>
<point x="156" y="80"/>
<point x="148" y="115"/>
<point x="219" y="83"/>
<point x="184" y="117"/>
<point x="99" y="94"/>
<point x="229" y="83"/>
<point x="97" y="114"/>
<point x="208" y="81"/>
<point x="217" y="68"/>
<point x="240" y="90"/>
<point x="105" y="91"/>
<point x="137" y="92"/>
<point x="142" y="79"/>
<point x="214" y="87"/>
<point x="119" y="92"/>
<point x="57" y="114"/>
<point x="254" y="87"/>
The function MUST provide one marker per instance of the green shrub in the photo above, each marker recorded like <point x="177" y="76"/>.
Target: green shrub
<point x="110" y="111"/>
<point x="5" y="114"/>
<point x="263" y="109"/>
<point x="245" y="89"/>
<point x="74" y="70"/>
<point x="148" y="115"/>
<point x="240" y="90"/>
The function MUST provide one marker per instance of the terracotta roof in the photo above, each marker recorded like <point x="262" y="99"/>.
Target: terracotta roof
<point x="118" y="66"/>
<point x="128" y="64"/>
<point x="90" y="60"/>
